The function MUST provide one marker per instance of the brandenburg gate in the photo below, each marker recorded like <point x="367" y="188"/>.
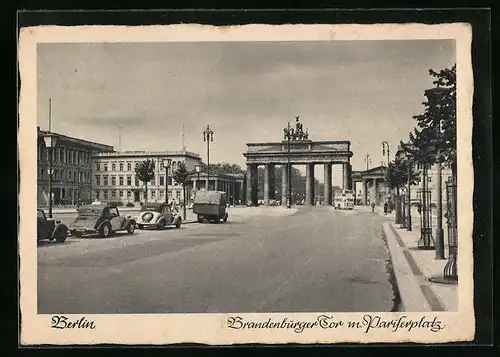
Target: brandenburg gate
<point x="296" y="149"/>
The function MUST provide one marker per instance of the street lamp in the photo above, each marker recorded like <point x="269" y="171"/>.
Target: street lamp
<point x="434" y="95"/>
<point x="408" y="220"/>
<point x="208" y="136"/>
<point x="166" y="165"/>
<point x="386" y="149"/>
<point x="289" y="134"/>
<point x="50" y="143"/>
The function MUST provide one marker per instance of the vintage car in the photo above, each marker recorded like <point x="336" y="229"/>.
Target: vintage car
<point x="158" y="215"/>
<point x="210" y="206"/>
<point x="103" y="219"/>
<point x="49" y="228"/>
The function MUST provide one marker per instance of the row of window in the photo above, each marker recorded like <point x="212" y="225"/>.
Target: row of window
<point x="64" y="155"/>
<point x="64" y="175"/>
<point x="105" y="194"/>
<point x="106" y="181"/>
<point x="121" y="166"/>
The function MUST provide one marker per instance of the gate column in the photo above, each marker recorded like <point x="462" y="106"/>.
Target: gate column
<point x="347" y="176"/>
<point x="266" y="183"/>
<point x="327" y="200"/>
<point x="309" y="184"/>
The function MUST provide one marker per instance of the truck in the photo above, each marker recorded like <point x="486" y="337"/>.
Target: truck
<point x="210" y="206"/>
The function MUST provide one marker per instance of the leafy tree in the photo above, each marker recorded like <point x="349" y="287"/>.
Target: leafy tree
<point x="181" y="176"/>
<point x="145" y="171"/>
<point x="434" y="138"/>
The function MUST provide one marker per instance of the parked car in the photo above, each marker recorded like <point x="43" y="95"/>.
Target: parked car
<point x="158" y="215"/>
<point x="49" y="228"/>
<point x="210" y="206"/>
<point x="103" y="219"/>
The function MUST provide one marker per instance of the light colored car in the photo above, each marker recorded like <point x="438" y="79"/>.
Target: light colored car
<point x="158" y="216"/>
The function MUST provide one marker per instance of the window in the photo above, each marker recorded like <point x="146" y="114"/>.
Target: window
<point x="129" y="180"/>
<point x="113" y="194"/>
<point x="121" y="166"/>
<point x="121" y="194"/>
<point x="113" y="211"/>
<point x="161" y="166"/>
<point x="113" y="167"/>
<point x="121" y="180"/>
<point x="97" y="194"/>
<point x="153" y="194"/>
<point x="153" y="181"/>
<point x="162" y="194"/>
<point x="98" y="167"/>
<point x="113" y="180"/>
<point x="136" y="181"/>
<point x="129" y="194"/>
<point x="170" y="180"/>
<point x="129" y="167"/>
<point x="105" y="167"/>
<point x="162" y="180"/>
<point x="98" y="181"/>
<point x="105" y="180"/>
<point x="105" y="194"/>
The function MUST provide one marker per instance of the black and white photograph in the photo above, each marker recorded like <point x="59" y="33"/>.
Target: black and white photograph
<point x="266" y="184"/>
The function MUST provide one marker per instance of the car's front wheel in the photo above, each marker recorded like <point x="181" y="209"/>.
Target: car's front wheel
<point x="131" y="228"/>
<point x="162" y="224"/>
<point x="178" y="223"/>
<point x="105" y="230"/>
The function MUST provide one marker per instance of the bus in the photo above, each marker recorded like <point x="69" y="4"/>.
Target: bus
<point x="343" y="199"/>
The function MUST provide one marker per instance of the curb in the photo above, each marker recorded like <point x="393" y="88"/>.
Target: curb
<point x="416" y="295"/>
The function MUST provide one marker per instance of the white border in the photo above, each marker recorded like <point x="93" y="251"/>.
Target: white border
<point x="211" y="328"/>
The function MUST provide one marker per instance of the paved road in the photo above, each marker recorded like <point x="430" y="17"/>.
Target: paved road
<point x="315" y="260"/>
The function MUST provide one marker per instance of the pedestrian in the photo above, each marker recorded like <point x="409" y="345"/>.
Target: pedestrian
<point x="373" y="206"/>
<point x="385" y="207"/>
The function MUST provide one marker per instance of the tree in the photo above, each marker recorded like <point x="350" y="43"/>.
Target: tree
<point x="145" y="171"/>
<point x="434" y="139"/>
<point x="181" y="176"/>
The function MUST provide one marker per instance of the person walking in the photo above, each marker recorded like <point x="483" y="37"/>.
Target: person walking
<point x="385" y="208"/>
<point x="373" y="206"/>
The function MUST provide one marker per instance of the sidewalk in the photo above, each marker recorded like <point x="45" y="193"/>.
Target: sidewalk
<point x="413" y="267"/>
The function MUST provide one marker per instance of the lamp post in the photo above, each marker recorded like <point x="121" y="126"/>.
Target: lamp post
<point x="166" y="165"/>
<point x="289" y="134"/>
<point x="50" y="142"/>
<point x="408" y="220"/>
<point x="197" y="168"/>
<point x="434" y="95"/>
<point x="386" y="149"/>
<point x="208" y="136"/>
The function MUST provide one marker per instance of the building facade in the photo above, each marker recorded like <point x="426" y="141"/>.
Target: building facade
<point x="114" y="178"/>
<point x="71" y="169"/>
<point x="232" y="184"/>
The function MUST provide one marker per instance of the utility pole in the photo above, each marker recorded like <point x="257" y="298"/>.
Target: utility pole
<point x="368" y="161"/>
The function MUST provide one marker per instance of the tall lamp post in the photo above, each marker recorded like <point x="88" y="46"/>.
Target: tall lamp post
<point x="208" y="136"/>
<point x="408" y="220"/>
<point x="50" y="143"/>
<point x="289" y="134"/>
<point x="386" y="150"/>
<point x="166" y="165"/>
<point x="434" y="95"/>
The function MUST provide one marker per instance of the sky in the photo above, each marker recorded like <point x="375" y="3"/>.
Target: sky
<point x="362" y="91"/>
